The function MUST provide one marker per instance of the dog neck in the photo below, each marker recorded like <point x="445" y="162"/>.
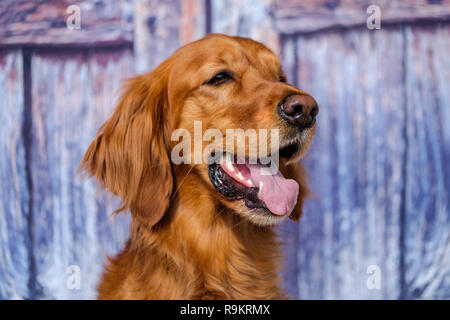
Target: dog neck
<point x="228" y="256"/>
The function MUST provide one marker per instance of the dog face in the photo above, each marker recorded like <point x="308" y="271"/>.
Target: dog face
<point x="220" y="83"/>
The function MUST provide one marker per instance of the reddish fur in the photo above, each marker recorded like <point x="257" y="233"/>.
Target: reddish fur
<point x="187" y="241"/>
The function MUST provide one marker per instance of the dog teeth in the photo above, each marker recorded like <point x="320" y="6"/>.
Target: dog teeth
<point x="260" y="188"/>
<point x="250" y="183"/>
<point x="240" y="176"/>
<point x="229" y="165"/>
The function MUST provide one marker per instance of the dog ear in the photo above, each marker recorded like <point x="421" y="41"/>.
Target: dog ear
<point x="297" y="172"/>
<point x="130" y="154"/>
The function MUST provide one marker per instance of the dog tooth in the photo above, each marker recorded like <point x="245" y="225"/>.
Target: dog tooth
<point x="260" y="188"/>
<point x="229" y="165"/>
<point x="239" y="176"/>
<point x="249" y="182"/>
<point x="229" y="162"/>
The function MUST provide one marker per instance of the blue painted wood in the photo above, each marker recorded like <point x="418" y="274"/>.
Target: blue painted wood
<point x="14" y="195"/>
<point x="250" y="18"/>
<point x="157" y="27"/>
<point x="73" y="93"/>
<point x="352" y="221"/>
<point x="289" y="232"/>
<point x="427" y="212"/>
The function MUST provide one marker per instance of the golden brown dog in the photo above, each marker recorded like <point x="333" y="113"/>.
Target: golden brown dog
<point x="203" y="230"/>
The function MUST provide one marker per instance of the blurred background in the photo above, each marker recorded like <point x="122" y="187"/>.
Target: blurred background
<point x="378" y="223"/>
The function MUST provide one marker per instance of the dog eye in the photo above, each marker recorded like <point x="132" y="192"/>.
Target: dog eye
<point x="219" y="78"/>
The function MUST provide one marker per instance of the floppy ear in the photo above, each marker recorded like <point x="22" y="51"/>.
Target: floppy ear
<point x="130" y="153"/>
<point x="297" y="172"/>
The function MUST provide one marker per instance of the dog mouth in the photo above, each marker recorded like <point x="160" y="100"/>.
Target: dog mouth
<point x="257" y="184"/>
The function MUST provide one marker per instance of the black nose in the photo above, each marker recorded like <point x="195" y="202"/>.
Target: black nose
<point x="299" y="110"/>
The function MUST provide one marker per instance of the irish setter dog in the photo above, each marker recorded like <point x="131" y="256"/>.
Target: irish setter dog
<point x="203" y="230"/>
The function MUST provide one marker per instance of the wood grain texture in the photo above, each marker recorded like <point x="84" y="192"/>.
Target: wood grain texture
<point x="43" y="22"/>
<point x="427" y="214"/>
<point x="73" y="93"/>
<point x="193" y="20"/>
<point x="294" y="16"/>
<point x="352" y="220"/>
<point x="289" y="231"/>
<point x="247" y="18"/>
<point x="14" y="195"/>
<point x="161" y="27"/>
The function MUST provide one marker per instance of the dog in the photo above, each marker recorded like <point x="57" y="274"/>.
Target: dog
<point x="203" y="230"/>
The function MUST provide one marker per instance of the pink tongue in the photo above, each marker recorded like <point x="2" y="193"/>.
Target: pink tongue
<point x="278" y="193"/>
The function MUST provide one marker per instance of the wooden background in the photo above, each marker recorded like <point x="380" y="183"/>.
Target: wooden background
<point x="379" y="166"/>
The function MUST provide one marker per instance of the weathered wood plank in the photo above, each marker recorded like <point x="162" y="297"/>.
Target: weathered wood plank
<point x="44" y="22"/>
<point x="193" y="20"/>
<point x="14" y="195"/>
<point x="73" y="93"/>
<point x="352" y="221"/>
<point x="295" y="16"/>
<point x="427" y="213"/>
<point x="161" y="27"/>
<point x="289" y="231"/>
<point x="248" y="18"/>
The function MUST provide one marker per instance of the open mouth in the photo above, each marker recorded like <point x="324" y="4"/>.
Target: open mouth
<point x="256" y="184"/>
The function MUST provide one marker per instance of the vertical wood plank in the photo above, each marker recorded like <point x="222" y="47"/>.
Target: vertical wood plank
<point x="161" y="27"/>
<point x="14" y="195"/>
<point x="73" y="93"/>
<point x="193" y="20"/>
<point x="289" y="231"/>
<point x="352" y="221"/>
<point x="156" y="27"/>
<point x="427" y="214"/>
<point x="248" y="18"/>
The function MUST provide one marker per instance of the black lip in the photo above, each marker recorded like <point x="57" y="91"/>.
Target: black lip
<point x="232" y="189"/>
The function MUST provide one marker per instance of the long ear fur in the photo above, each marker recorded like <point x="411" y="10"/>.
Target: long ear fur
<point x="130" y="153"/>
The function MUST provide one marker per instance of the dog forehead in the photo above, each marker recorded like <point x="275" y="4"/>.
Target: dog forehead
<point x="226" y="50"/>
<point x="255" y="53"/>
<point x="211" y="50"/>
<point x="198" y="61"/>
<point x="258" y="54"/>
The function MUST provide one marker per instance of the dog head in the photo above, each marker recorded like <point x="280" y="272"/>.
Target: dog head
<point x="222" y="107"/>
